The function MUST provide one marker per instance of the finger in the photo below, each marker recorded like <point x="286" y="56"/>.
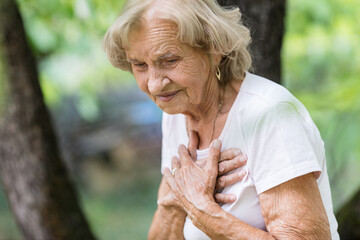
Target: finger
<point x="228" y="180"/>
<point x="201" y="162"/>
<point x="225" y="197"/>
<point x="229" y="165"/>
<point x="175" y="162"/>
<point x="170" y="179"/>
<point x="214" y="155"/>
<point x="168" y="201"/>
<point x="167" y="174"/>
<point x="193" y="144"/>
<point x="184" y="155"/>
<point x="229" y="154"/>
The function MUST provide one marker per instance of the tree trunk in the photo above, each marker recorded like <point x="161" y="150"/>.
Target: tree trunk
<point x="34" y="178"/>
<point x="348" y="217"/>
<point x="266" y="22"/>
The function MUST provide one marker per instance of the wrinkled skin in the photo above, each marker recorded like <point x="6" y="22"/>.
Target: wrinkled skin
<point x="177" y="77"/>
<point x="292" y="210"/>
<point x="229" y="160"/>
<point x="170" y="214"/>
<point x="194" y="186"/>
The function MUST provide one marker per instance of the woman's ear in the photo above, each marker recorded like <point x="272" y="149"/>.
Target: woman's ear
<point x="218" y="59"/>
<point x="215" y="59"/>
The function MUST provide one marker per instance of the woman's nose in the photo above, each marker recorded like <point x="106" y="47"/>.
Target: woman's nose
<point x="154" y="81"/>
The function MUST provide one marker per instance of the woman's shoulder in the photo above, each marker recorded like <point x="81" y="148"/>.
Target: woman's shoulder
<point x="265" y="92"/>
<point x="259" y="95"/>
<point x="260" y="98"/>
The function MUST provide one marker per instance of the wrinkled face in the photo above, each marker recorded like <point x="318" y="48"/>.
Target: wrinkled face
<point x="176" y="77"/>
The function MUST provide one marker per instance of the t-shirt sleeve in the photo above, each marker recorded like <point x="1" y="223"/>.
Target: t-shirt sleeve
<point x="282" y="147"/>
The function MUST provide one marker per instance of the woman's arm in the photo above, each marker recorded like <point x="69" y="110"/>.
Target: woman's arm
<point x="292" y="210"/>
<point x="295" y="210"/>
<point x="168" y="221"/>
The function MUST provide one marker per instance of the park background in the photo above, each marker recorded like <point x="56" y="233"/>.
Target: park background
<point x="110" y="133"/>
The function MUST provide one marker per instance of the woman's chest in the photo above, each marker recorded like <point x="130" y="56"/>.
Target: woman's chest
<point x="246" y="208"/>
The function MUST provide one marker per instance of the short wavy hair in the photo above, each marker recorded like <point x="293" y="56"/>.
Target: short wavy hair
<point x="201" y="24"/>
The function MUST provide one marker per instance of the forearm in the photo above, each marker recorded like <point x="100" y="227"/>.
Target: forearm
<point x="168" y="223"/>
<point x="218" y="224"/>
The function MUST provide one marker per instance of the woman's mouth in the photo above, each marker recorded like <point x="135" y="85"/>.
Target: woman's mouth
<point x="166" y="97"/>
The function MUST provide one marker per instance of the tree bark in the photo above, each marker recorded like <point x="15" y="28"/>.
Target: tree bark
<point x="266" y="22"/>
<point x="40" y="194"/>
<point x="348" y="217"/>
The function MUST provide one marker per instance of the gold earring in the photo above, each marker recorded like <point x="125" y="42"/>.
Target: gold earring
<point x="218" y="74"/>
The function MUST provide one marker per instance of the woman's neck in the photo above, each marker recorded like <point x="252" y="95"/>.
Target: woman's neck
<point x="209" y="126"/>
<point x="205" y="111"/>
<point x="204" y="120"/>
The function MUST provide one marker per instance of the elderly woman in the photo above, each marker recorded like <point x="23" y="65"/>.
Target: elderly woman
<point x="191" y="58"/>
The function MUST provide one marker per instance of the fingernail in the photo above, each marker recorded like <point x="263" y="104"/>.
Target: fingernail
<point x="221" y="168"/>
<point x="238" y="152"/>
<point x="243" y="159"/>
<point x="216" y="144"/>
<point x="233" y="198"/>
<point x="242" y="173"/>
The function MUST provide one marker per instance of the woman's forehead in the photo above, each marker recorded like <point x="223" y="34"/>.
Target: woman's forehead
<point x="156" y="52"/>
<point x="156" y="25"/>
<point x="158" y="36"/>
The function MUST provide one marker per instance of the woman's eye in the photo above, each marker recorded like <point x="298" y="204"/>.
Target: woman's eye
<point x="171" y="61"/>
<point x="140" y="67"/>
<point x="140" y="64"/>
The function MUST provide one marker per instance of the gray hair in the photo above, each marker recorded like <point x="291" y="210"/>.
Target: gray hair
<point x="201" y="24"/>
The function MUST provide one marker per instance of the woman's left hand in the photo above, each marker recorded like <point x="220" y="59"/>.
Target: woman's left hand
<point x="192" y="186"/>
<point x="230" y="163"/>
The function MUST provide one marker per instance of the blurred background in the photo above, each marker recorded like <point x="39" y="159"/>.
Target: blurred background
<point x="110" y="133"/>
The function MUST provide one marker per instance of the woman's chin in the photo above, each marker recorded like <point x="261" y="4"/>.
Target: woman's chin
<point x="170" y="109"/>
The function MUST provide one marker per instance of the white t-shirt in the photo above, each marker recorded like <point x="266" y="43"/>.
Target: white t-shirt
<point x="274" y="129"/>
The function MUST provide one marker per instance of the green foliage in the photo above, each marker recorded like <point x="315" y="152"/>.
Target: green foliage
<point x="66" y="38"/>
<point x="321" y="61"/>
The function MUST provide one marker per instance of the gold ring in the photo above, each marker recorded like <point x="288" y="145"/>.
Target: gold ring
<point x="173" y="171"/>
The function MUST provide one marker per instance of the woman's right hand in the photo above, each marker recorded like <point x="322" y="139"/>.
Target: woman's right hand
<point x="230" y="160"/>
<point x="168" y="200"/>
<point x="169" y="218"/>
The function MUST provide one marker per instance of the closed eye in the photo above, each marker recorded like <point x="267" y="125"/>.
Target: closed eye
<point x="171" y="61"/>
<point x="139" y="66"/>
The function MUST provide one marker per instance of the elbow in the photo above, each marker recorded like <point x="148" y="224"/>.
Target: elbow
<point x="321" y="231"/>
<point x="302" y="231"/>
